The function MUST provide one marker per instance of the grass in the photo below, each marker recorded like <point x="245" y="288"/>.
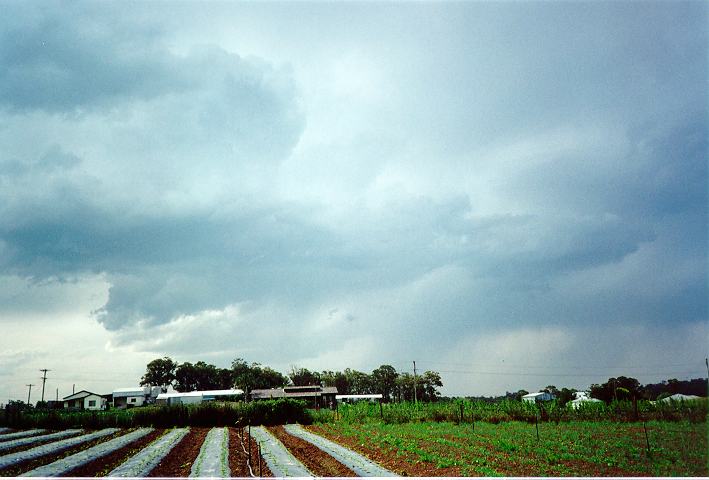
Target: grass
<point x="582" y="448"/>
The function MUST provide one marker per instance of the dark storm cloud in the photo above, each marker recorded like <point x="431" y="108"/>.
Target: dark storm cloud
<point x="64" y="58"/>
<point x="542" y="165"/>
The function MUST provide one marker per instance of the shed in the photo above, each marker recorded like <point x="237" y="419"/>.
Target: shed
<point x="315" y="396"/>
<point x="354" y="398"/>
<point x="134" y="396"/>
<point x="185" y="398"/>
<point x="538" y="397"/>
<point x="84" y="400"/>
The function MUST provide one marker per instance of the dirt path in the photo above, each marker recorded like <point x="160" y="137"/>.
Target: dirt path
<point x="238" y="456"/>
<point x="179" y="461"/>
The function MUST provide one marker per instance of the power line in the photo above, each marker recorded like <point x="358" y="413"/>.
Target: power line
<point x="551" y="374"/>
<point x="504" y="364"/>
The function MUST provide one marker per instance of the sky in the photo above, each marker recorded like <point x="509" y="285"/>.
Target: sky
<point x="513" y="194"/>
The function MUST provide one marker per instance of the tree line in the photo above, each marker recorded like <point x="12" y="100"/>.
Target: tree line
<point x="619" y="388"/>
<point x="394" y="386"/>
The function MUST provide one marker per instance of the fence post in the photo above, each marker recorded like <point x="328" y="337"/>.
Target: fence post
<point x="381" y="409"/>
<point x="249" y="444"/>
<point x="461" y="412"/>
<point x="259" y="460"/>
<point x="647" y="439"/>
<point x="472" y="417"/>
<point x="536" y="423"/>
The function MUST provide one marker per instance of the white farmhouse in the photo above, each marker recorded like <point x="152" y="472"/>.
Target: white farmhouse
<point x="84" y="400"/>
<point x="538" y="397"/>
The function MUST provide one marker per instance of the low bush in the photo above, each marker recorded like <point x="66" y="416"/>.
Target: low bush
<point x="209" y="414"/>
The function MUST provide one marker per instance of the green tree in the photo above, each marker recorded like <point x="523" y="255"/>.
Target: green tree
<point x="303" y="377"/>
<point x="565" y="395"/>
<point x="199" y="376"/>
<point x="337" y="380"/>
<point x="620" y="388"/>
<point x="384" y="381"/>
<point x="359" y="382"/>
<point x="160" y="373"/>
<point x="252" y="376"/>
<point x="429" y="383"/>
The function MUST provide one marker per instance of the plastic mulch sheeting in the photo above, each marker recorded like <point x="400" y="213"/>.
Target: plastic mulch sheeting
<point x="24" y="433"/>
<point x="141" y="464"/>
<point x="359" y="464"/>
<point x="279" y="460"/>
<point x="12" y="458"/>
<point x="213" y="458"/>
<point x="64" y="465"/>
<point x="39" y="438"/>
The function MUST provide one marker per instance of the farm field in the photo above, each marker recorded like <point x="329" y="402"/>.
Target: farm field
<point x="512" y="448"/>
<point x="218" y="452"/>
<point x="136" y="452"/>
<point x="342" y="449"/>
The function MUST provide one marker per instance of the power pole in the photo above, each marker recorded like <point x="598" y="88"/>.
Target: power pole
<point x="44" y="379"/>
<point x="415" y="396"/>
<point x="29" y="392"/>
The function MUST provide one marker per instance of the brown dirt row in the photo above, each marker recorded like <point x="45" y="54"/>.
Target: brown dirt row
<point x="238" y="458"/>
<point x="320" y="463"/>
<point x="401" y="463"/>
<point x="179" y="461"/>
<point x="37" y="444"/>
<point x="22" y="467"/>
<point x="101" y="467"/>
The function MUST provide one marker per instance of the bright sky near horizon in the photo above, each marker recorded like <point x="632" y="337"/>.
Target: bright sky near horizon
<point x="511" y="193"/>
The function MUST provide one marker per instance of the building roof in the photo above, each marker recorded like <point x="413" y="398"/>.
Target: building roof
<point x="679" y="397"/>
<point x="80" y="394"/>
<point x="293" y="392"/>
<point x="354" y="397"/>
<point x="201" y="393"/>
<point x="130" y="392"/>
<point x="535" y="394"/>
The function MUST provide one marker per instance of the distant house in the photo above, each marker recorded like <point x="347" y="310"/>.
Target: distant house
<point x="314" y="395"/>
<point x="538" y="397"/>
<point x="84" y="400"/>
<point x="184" y="398"/>
<point x="581" y="398"/>
<point x="134" y="396"/>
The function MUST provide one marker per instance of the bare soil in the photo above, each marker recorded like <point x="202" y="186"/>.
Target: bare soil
<point x="22" y="467"/>
<point x="178" y="462"/>
<point x="238" y="457"/>
<point x="402" y="464"/>
<point x="101" y="467"/>
<point x="320" y="463"/>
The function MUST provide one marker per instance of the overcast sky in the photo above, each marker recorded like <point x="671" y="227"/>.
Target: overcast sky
<point x="513" y="194"/>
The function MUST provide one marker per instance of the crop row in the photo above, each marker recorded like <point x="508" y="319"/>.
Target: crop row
<point x="217" y="452"/>
<point x="467" y="411"/>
